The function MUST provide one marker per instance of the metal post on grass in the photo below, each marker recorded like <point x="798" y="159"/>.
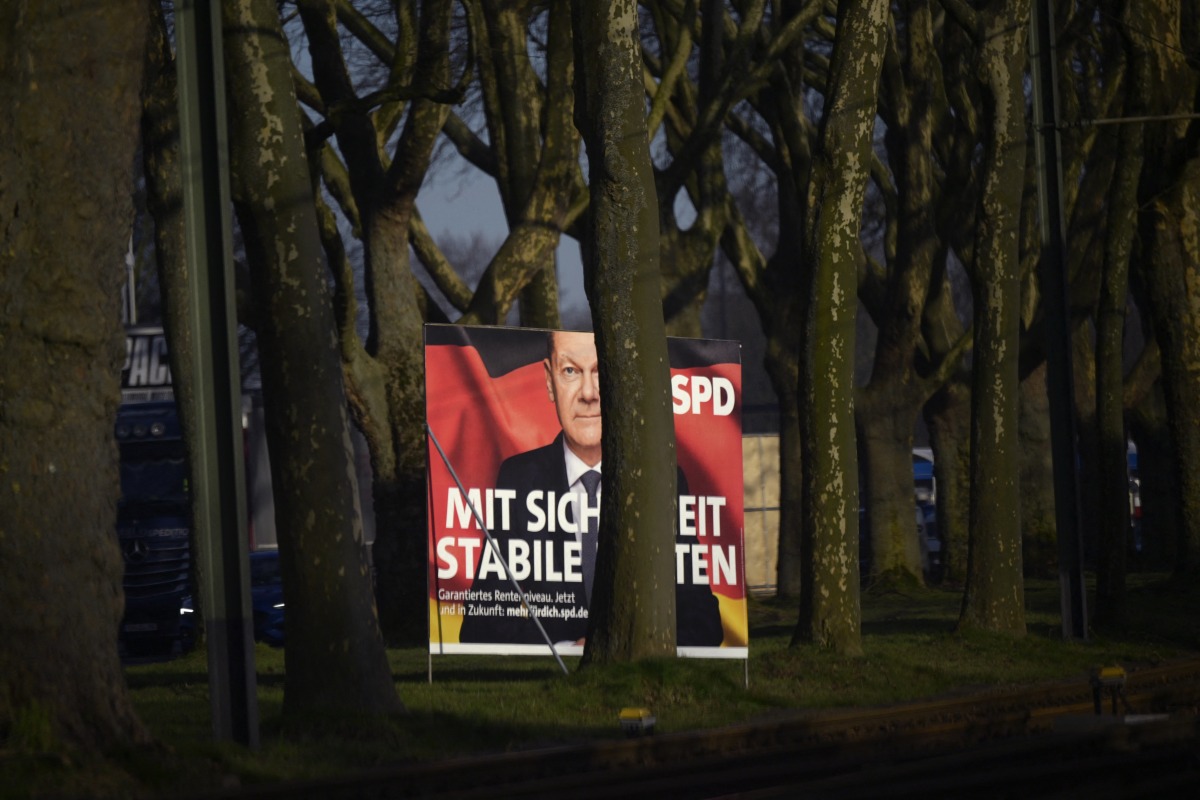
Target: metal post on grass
<point x="216" y="453"/>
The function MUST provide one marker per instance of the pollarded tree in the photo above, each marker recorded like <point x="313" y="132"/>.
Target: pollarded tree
<point x="334" y="654"/>
<point x="70" y="74"/>
<point x="621" y="276"/>
<point x="829" y="606"/>
<point x="1170" y="201"/>
<point x="386" y="138"/>
<point x="1120" y="234"/>
<point x="906" y="369"/>
<point x="994" y="596"/>
<point x="535" y="151"/>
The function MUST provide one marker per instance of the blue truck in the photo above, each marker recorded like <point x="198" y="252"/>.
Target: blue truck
<point x="154" y="518"/>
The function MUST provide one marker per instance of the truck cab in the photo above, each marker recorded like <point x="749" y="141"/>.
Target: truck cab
<point x="154" y="528"/>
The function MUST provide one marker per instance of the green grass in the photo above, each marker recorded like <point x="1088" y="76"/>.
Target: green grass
<point x="489" y="705"/>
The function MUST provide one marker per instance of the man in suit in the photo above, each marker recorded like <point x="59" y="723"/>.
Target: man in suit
<point x="560" y="481"/>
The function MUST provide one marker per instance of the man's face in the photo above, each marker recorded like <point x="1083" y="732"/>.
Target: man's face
<point x="573" y="381"/>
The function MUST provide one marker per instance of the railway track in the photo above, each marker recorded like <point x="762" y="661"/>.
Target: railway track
<point x="1042" y="741"/>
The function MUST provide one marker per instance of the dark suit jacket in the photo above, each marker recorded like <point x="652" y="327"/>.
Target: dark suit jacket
<point x="698" y="616"/>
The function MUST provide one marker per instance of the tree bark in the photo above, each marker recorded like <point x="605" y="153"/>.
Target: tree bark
<point x="994" y="597"/>
<point x="385" y="374"/>
<point x="70" y="74"/>
<point x="621" y="254"/>
<point x="164" y="200"/>
<point x="1120" y="232"/>
<point x="829" y="609"/>
<point x="948" y="415"/>
<point x="1038" y="532"/>
<point x="1170" y="227"/>
<point x="334" y="655"/>
<point x="888" y="406"/>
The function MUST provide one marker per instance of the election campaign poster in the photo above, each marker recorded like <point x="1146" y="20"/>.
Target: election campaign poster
<point x="515" y="430"/>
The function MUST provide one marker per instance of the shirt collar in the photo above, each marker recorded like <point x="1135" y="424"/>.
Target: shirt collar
<point x="575" y="465"/>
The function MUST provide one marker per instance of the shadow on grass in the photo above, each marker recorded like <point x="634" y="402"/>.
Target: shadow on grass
<point x="908" y="626"/>
<point x="484" y="673"/>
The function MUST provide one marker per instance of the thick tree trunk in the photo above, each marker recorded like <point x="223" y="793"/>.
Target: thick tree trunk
<point x="1083" y="364"/>
<point x="885" y="428"/>
<point x="948" y="415"/>
<point x="789" y="561"/>
<point x="385" y="375"/>
<point x="888" y="406"/>
<point x="1120" y="230"/>
<point x="70" y="74"/>
<point x="994" y="598"/>
<point x="1170" y="227"/>
<point x="1039" y="539"/>
<point x="334" y="654"/>
<point x="829" y="609"/>
<point x="638" y="508"/>
<point x="1158" y="480"/>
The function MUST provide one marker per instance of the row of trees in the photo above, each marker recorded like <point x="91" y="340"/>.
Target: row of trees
<point x="838" y="156"/>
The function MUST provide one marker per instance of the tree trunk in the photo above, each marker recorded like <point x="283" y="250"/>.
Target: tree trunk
<point x="1038" y="531"/>
<point x="70" y="74"/>
<point x="1169" y="225"/>
<point x="829" y="609"/>
<point x="334" y="654"/>
<point x="948" y="415"/>
<point x="885" y="427"/>
<point x="788" y="565"/>
<point x="535" y="161"/>
<point x="1120" y="230"/>
<point x="994" y="598"/>
<point x="638" y="507"/>
<point x="888" y="406"/>
<point x="385" y="375"/>
<point x="164" y="199"/>
<point x="1170" y="199"/>
<point x="1158" y="481"/>
<point x="1083" y="366"/>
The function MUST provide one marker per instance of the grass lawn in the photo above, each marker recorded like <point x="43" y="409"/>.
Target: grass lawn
<point x="480" y="704"/>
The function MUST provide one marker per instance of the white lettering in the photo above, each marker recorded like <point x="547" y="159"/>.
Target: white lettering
<point x="679" y="396"/>
<point x="461" y="513"/>
<point x="722" y="565"/>
<point x="446" y="556"/>
<point x="713" y="564"/>
<point x="689" y="395"/>
<point x="537" y="520"/>
<point x="697" y="511"/>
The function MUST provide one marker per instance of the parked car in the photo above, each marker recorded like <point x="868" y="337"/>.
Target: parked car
<point x="266" y="597"/>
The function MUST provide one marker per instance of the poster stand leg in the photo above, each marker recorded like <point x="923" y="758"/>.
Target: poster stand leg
<point x="429" y="532"/>
<point x="496" y="549"/>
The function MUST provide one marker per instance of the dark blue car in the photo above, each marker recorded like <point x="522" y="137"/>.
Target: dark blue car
<point x="266" y="597"/>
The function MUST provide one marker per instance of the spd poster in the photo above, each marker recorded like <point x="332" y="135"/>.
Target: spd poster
<point x="516" y="413"/>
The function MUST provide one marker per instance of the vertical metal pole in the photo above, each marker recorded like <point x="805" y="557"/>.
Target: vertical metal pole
<point x="1053" y="279"/>
<point x="217" y="453"/>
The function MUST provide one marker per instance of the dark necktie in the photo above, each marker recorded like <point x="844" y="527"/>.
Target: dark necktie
<point x="591" y="482"/>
